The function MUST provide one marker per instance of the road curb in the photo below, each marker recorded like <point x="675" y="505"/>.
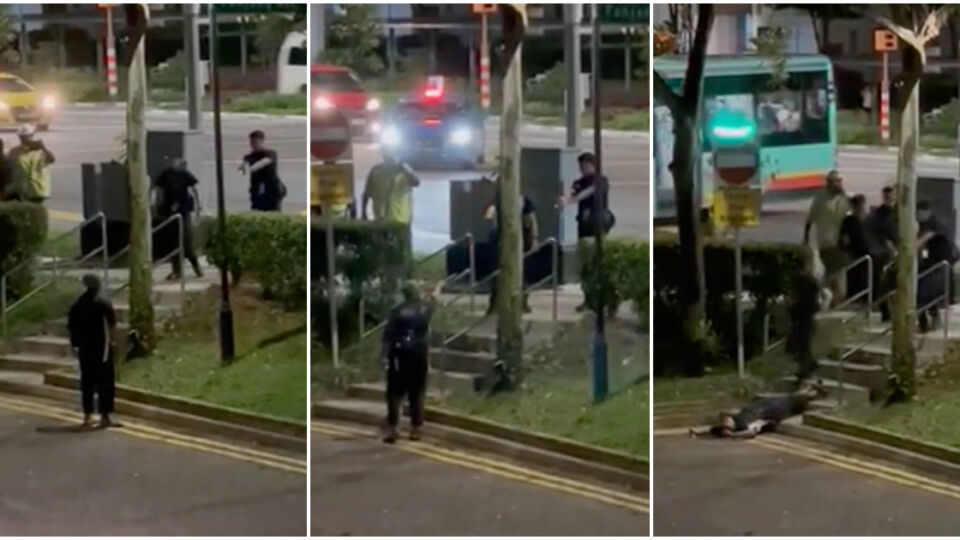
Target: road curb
<point x="193" y="423"/>
<point x="637" y="480"/>
<point x="883" y="437"/>
<point x="871" y="449"/>
<point x="193" y="407"/>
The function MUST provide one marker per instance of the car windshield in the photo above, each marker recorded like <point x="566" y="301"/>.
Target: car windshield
<point x="13" y="85"/>
<point x="335" y="81"/>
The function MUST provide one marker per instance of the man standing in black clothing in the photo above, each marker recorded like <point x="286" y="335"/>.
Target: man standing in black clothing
<point x="404" y="353"/>
<point x="853" y="241"/>
<point x="804" y="305"/>
<point x="178" y="195"/>
<point x="528" y="219"/>
<point x="882" y="234"/>
<point x="92" y="323"/>
<point x="266" y="188"/>
<point x="588" y="186"/>
<point x="934" y="246"/>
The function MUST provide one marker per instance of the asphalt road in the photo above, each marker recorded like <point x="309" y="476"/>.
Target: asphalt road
<point x="112" y="483"/>
<point x="626" y="162"/>
<point x="732" y="488"/>
<point x="865" y="171"/>
<point x="361" y="487"/>
<point x="94" y="135"/>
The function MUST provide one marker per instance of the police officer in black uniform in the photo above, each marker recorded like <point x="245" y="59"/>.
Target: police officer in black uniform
<point x="405" y="346"/>
<point x="178" y="195"/>
<point x="92" y="323"/>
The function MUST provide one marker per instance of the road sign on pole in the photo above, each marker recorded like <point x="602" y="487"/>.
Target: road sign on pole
<point x="111" y="52"/>
<point x="484" y="60"/>
<point x="737" y="204"/>
<point x="624" y="13"/>
<point x="884" y="42"/>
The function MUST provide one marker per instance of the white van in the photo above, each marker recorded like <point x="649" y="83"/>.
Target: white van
<point x="292" y="64"/>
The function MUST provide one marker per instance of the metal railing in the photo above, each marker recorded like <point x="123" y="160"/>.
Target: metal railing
<point x="178" y="252"/>
<point x="6" y="308"/>
<point x="868" y="292"/>
<point x="553" y="278"/>
<point x="942" y="299"/>
<point x="471" y="271"/>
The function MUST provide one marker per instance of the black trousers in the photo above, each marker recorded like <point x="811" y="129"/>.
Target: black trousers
<point x="188" y="252"/>
<point x="96" y="379"/>
<point x="406" y="378"/>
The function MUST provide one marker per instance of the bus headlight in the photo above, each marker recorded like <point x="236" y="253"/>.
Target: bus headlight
<point x="461" y="136"/>
<point x="389" y="137"/>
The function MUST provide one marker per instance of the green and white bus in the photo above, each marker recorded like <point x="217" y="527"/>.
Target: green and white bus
<point x="795" y="122"/>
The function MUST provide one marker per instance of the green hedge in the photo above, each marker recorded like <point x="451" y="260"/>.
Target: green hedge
<point x="366" y="252"/>
<point x="23" y="229"/>
<point x="626" y="275"/>
<point x="767" y="278"/>
<point x="271" y="248"/>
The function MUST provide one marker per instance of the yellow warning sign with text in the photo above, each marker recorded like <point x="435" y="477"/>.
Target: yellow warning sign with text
<point x="737" y="206"/>
<point x="331" y="184"/>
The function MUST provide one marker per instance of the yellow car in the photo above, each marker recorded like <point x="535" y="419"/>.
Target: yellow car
<point x="21" y="103"/>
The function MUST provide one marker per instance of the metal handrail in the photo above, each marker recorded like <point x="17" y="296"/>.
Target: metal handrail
<point x="767" y="347"/>
<point x="176" y="252"/>
<point x="553" y="277"/>
<point x="472" y="269"/>
<point x="5" y="308"/>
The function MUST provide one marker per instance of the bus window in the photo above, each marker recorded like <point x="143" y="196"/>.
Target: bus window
<point x="298" y="56"/>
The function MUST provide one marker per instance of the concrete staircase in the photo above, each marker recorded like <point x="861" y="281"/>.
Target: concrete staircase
<point x="864" y="375"/>
<point x="24" y="360"/>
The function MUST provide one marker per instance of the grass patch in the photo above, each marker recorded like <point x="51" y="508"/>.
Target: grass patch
<point x="560" y="405"/>
<point x="268" y="376"/>
<point x="853" y="128"/>
<point x="934" y="415"/>
<point x="51" y="303"/>
<point x="618" y="119"/>
<point x="63" y="246"/>
<point x="269" y="103"/>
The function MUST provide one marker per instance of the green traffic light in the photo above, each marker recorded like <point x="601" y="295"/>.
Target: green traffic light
<point x="730" y="127"/>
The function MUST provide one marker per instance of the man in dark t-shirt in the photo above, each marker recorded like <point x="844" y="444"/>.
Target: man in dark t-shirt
<point x="178" y="195"/>
<point x="266" y="189"/>
<point x="853" y="241"/>
<point x="586" y="191"/>
<point x="528" y="220"/>
<point x="934" y="246"/>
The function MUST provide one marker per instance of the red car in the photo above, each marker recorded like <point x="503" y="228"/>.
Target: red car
<point x="335" y="87"/>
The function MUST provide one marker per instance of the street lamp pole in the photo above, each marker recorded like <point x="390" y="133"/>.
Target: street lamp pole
<point x="600" y="384"/>
<point x="226" y="315"/>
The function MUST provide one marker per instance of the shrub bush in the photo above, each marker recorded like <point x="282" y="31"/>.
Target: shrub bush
<point x="767" y="273"/>
<point x="268" y="246"/>
<point x="626" y="275"/>
<point x="365" y="253"/>
<point x="23" y="229"/>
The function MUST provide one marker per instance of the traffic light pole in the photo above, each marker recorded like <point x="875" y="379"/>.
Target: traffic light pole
<point x="738" y="272"/>
<point x="226" y="315"/>
<point x="571" y="57"/>
<point x="600" y="383"/>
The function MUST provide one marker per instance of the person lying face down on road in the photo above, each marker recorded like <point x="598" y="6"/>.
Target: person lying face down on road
<point x="762" y="415"/>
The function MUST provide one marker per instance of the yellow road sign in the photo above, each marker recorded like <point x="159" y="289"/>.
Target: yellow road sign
<point x="331" y="184"/>
<point x="737" y="206"/>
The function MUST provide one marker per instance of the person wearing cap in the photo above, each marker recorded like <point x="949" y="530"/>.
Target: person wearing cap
<point x="92" y="323"/>
<point x="31" y="159"/>
<point x="830" y="206"/>
<point x="266" y="189"/>
<point x="405" y="344"/>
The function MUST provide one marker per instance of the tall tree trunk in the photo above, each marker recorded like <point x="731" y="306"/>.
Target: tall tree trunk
<point x="904" y="316"/>
<point x="509" y="300"/>
<point x="141" y="252"/>
<point x="685" y="109"/>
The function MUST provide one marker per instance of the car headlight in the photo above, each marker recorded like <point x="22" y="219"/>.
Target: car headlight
<point x="375" y="127"/>
<point x="48" y="103"/>
<point x="373" y="105"/>
<point x="389" y="136"/>
<point x="461" y="136"/>
<point x="322" y="103"/>
<point x="4" y="107"/>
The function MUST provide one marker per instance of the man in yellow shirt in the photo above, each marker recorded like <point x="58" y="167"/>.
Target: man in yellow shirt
<point x="31" y="160"/>
<point x="390" y="190"/>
